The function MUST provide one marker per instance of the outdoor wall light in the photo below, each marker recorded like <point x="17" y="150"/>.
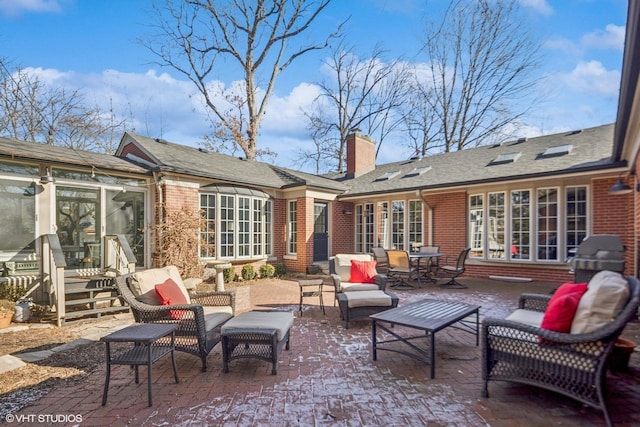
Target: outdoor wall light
<point x="47" y="177"/>
<point x="347" y="211"/>
<point x="620" y="187"/>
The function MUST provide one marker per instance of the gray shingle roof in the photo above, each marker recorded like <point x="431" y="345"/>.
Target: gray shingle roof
<point x="178" y="158"/>
<point x="591" y="150"/>
<point x="22" y="150"/>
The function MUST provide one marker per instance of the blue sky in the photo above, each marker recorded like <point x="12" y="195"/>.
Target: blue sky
<point x="91" y="45"/>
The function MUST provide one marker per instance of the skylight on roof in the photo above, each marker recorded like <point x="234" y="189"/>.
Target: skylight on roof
<point x="505" y="158"/>
<point x="418" y="171"/>
<point x="388" y="175"/>
<point x="558" y="150"/>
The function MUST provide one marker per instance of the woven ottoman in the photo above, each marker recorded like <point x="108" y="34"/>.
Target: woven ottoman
<point x="256" y="335"/>
<point x="359" y="305"/>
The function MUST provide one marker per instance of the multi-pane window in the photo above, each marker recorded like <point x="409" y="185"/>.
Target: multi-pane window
<point x="292" y="225"/>
<point x="208" y="234"/>
<point x="415" y="222"/>
<point x="544" y="224"/>
<point x="244" y="224"/>
<point x="476" y="225"/>
<point x="359" y="237"/>
<point x="547" y="238"/>
<point x="576" y="199"/>
<point x="268" y="209"/>
<point x="397" y="224"/>
<point x="495" y="233"/>
<point x="235" y="225"/>
<point x="365" y="227"/>
<point x="521" y="224"/>
<point x="227" y="225"/>
<point x="368" y="227"/>
<point x="383" y="225"/>
<point x="258" y="213"/>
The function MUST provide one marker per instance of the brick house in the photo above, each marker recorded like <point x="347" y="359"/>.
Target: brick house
<point x="521" y="206"/>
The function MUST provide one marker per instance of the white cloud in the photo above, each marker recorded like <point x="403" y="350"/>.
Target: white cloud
<point x="285" y="115"/>
<point x="593" y="77"/>
<point x="15" y="8"/>
<point x="540" y="6"/>
<point x="612" y="37"/>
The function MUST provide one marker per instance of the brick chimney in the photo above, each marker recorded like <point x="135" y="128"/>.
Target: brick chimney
<point x="361" y="154"/>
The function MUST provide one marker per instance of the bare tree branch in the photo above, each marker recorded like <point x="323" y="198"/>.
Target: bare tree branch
<point x="194" y="35"/>
<point x="480" y="61"/>
<point x="363" y="94"/>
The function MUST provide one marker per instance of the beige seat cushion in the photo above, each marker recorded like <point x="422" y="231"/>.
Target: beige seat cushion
<point x="368" y="299"/>
<point x="529" y="317"/>
<point x="143" y="283"/>
<point x="210" y="309"/>
<point x="343" y="264"/>
<point x="357" y="287"/>
<point x="279" y="320"/>
<point x="607" y="294"/>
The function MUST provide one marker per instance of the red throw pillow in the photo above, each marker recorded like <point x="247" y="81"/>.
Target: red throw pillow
<point x="169" y="293"/>
<point x="363" y="271"/>
<point x="562" y="307"/>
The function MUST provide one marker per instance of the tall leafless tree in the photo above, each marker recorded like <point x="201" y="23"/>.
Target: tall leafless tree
<point x="199" y="37"/>
<point x="32" y="111"/>
<point x="359" y="94"/>
<point x="479" y="74"/>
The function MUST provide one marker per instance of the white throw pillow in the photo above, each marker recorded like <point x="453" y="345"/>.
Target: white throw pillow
<point x="143" y="283"/>
<point x="606" y="296"/>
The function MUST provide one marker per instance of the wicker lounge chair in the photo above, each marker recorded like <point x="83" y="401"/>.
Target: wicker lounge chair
<point x="573" y="364"/>
<point x="199" y="321"/>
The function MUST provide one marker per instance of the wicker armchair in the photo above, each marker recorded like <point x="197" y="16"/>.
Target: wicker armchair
<point x="570" y="364"/>
<point x="199" y="322"/>
<point x="340" y="271"/>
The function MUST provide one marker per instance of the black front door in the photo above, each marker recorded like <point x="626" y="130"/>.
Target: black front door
<point x="320" y="232"/>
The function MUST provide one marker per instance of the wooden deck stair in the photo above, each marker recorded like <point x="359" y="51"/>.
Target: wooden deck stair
<point x="91" y="296"/>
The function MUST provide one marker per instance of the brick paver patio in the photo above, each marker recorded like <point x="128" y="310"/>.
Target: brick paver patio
<point x="328" y="378"/>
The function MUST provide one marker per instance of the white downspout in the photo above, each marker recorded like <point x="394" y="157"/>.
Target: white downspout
<point x="160" y="219"/>
<point x="429" y="218"/>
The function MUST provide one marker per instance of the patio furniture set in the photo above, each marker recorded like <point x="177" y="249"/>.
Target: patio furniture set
<point x="526" y="347"/>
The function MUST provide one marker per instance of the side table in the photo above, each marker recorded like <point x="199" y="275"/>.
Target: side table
<point x="311" y="288"/>
<point x="145" y="351"/>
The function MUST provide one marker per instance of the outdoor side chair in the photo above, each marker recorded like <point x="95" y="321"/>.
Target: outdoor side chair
<point x="400" y="268"/>
<point x="453" y="271"/>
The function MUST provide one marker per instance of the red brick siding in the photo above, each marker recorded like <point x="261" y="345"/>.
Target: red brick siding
<point x="615" y="214"/>
<point x="279" y="229"/>
<point x="342" y="230"/>
<point x="450" y="221"/>
<point x="361" y="154"/>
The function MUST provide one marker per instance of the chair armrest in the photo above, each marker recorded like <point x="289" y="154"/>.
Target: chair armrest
<point x="215" y="298"/>
<point x="534" y="302"/>
<point x="381" y="281"/>
<point x="336" y="283"/>
<point x="511" y="330"/>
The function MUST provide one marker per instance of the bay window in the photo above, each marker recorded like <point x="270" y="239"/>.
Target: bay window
<point x="237" y="223"/>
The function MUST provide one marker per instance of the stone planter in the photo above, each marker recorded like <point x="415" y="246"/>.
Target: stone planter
<point x="5" y="319"/>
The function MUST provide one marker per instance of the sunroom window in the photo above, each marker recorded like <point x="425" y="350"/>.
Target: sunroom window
<point x="237" y="223"/>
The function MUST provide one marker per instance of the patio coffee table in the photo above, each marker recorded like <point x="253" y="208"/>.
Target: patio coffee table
<point x="427" y="315"/>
